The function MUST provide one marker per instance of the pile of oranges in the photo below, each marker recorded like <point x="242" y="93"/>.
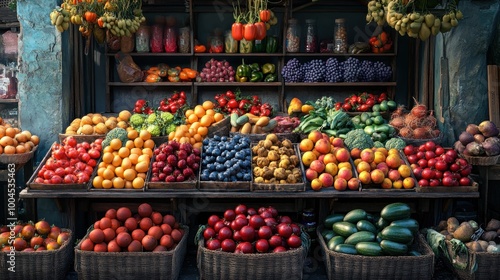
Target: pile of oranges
<point x="198" y="120"/>
<point x="15" y="141"/>
<point x="125" y="166"/>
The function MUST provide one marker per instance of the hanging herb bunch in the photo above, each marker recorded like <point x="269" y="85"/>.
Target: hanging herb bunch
<point x="415" y="18"/>
<point x="94" y="17"/>
<point x="252" y="23"/>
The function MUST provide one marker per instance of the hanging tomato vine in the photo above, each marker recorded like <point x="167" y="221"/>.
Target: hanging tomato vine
<point x="252" y="23"/>
<point x="415" y="18"/>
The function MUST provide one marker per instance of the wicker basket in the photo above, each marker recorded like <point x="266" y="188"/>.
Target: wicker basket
<point x="488" y="266"/>
<point x="39" y="265"/>
<point x="223" y="265"/>
<point x="418" y="142"/>
<point x="345" y="266"/>
<point x="482" y="161"/>
<point x="131" y="265"/>
<point x="18" y="159"/>
<point x="220" y="128"/>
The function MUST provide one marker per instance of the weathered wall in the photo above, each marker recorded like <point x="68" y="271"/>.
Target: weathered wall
<point x="466" y="48"/>
<point x="42" y="87"/>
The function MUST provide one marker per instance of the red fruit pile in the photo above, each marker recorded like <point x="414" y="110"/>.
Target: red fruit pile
<point x="31" y="237"/>
<point x="70" y="162"/>
<point x="434" y="166"/>
<point x="146" y="231"/>
<point x="246" y="230"/>
<point x="175" y="162"/>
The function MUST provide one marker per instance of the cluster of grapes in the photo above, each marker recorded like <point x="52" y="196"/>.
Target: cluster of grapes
<point x="292" y="71"/>
<point x="332" y="71"/>
<point x="314" y="71"/>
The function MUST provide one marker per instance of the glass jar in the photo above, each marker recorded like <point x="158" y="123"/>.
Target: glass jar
<point x="170" y="40"/>
<point x="311" y="39"/>
<point x="246" y="46"/>
<point x="230" y="44"/>
<point x="293" y="36"/>
<point x="156" y="39"/>
<point x="340" y="38"/>
<point x="184" y="39"/>
<point x="142" y="38"/>
<point x="127" y="44"/>
<point x="216" y="44"/>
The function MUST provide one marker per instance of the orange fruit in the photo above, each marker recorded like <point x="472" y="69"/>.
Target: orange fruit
<point x="138" y="183"/>
<point x="210" y="112"/>
<point x="117" y="161"/>
<point x="130" y="144"/>
<point x="128" y="185"/>
<point x="145" y="135"/>
<point x="97" y="182"/>
<point x="208" y="105"/>
<point x="100" y="171"/>
<point x="126" y="164"/>
<point x="149" y="144"/>
<point x="142" y="166"/>
<point x="118" y="183"/>
<point x="142" y="175"/>
<point x="132" y="134"/>
<point x="129" y="174"/>
<point x="107" y="149"/>
<point x="107" y="184"/>
<point x="206" y="120"/>
<point x="218" y="117"/>
<point x="11" y="132"/>
<point x="147" y="151"/>
<point x="134" y="158"/>
<point x="203" y="131"/>
<point x="123" y="152"/>
<point x="188" y="113"/>
<point x="199" y="111"/>
<point x="108" y="174"/>
<point x="119" y="171"/>
<point x="115" y="144"/>
<point x="138" y="142"/>
<point x="107" y="157"/>
<point x="198" y="145"/>
<point x="192" y="118"/>
<point x="136" y="151"/>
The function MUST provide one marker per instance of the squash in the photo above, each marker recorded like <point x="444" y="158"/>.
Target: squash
<point x="295" y="106"/>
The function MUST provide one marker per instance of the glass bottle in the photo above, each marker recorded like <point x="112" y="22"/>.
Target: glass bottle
<point x="340" y="38"/>
<point x="142" y="38"/>
<point x="184" y="38"/>
<point x="230" y="44"/>
<point x="293" y="36"/>
<point x="170" y="40"/>
<point x="311" y="39"/>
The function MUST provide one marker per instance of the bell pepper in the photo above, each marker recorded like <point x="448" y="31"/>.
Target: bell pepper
<point x="272" y="44"/>
<point x="243" y="70"/>
<point x="256" y="76"/>
<point x="173" y="72"/>
<point x="259" y="46"/>
<point x="271" y="78"/>
<point x="254" y="67"/>
<point x="268" y="68"/>
<point x="240" y="79"/>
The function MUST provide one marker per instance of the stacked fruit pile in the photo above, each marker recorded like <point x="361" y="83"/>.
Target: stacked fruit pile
<point x="31" y="237"/>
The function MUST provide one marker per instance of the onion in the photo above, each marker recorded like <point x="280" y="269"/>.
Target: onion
<point x="411" y="121"/>
<point x="405" y="132"/>
<point x="420" y="132"/>
<point x="419" y="110"/>
<point x="397" y="122"/>
<point x="399" y="112"/>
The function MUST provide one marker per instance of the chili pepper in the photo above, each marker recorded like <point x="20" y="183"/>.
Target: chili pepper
<point x="254" y="67"/>
<point x="244" y="104"/>
<point x="257" y="76"/>
<point x="272" y="44"/>
<point x="256" y="100"/>
<point x="200" y="49"/>
<point x="271" y="78"/>
<point x="243" y="70"/>
<point x="266" y="109"/>
<point x="268" y="68"/>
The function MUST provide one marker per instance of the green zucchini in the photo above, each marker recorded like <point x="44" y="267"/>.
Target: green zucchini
<point x="332" y="219"/>
<point x="372" y="218"/>
<point x="365" y="225"/>
<point x="396" y="211"/>
<point x="355" y="216"/>
<point x="241" y="120"/>
<point x="369" y="249"/>
<point x="397" y="234"/>
<point x="233" y="118"/>
<point x="414" y="253"/>
<point x="360" y="236"/>
<point x="336" y="240"/>
<point x="382" y="223"/>
<point x="409" y="223"/>
<point x="346" y="249"/>
<point x="393" y="248"/>
<point x="344" y="229"/>
<point x="329" y="235"/>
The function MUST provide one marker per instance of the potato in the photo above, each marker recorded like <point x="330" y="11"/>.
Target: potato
<point x="284" y="163"/>
<point x="267" y="144"/>
<point x="286" y="143"/>
<point x="484" y="244"/>
<point x="493" y="224"/>
<point x="453" y="224"/>
<point x="290" y="179"/>
<point x="489" y="235"/>
<point x="442" y="225"/>
<point x="262" y="161"/>
<point x="259" y="180"/>
<point x="273" y="155"/>
<point x="262" y="152"/>
<point x="280" y="174"/>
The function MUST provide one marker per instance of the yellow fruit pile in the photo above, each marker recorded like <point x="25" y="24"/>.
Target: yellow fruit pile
<point x="198" y="120"/>
<point x="125" y="166"/>
<point x="15" y="141"/>
<point x="95" y="123"/>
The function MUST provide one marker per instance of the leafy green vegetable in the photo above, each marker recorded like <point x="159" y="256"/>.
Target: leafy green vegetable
<point x="357" y="138"/>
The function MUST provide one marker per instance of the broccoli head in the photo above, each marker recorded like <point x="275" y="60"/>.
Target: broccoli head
<point x="357" y="138"/>
<point x="151" y="118"/>
<point x="137" y="120"/>
<point x="171" y="127"/>
<point x="115" y="133"/>
<point x="167" y="117"/>
<point x="378" y="144"/>
<point x="395" y="143"/>
<point x="154" y="130"/>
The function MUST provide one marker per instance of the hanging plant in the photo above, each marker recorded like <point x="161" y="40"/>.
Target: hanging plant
<point x="415" y="18"/>
<point x="252" y="23"/>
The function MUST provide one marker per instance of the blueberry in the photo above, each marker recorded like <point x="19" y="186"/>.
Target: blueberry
<point x="204" y="177"/>
<point x="213" y="176"/>
<point x="220" y="167"/>
<point x="216" y="152"/>
<point x="247" y="177"/>
<point x="217" y="137"/>
<point x="239" y="175"/>
<point x="220" y="177"/>
<point x="205" y="141"/>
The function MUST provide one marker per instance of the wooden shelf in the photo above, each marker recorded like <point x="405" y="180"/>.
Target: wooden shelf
<point x="149" y="54"/>
<point x="236" y="195"/>
<point x="340" y="55"/>
<point x="247" y="84"/>
<point x="9" y="100"/>
<point x="238" y="54"/>
<point x="144" y="84"/>
<point x="343" y="84"/>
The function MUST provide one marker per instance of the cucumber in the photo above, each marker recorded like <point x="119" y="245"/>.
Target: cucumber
<point x="379" y="237"/>
<point x="376" y="108"/>
<point x="332" y="219"/>
<point x="409" y="223"/>
<point x="241" y="120"/>
<point x="355" y="216"/>
<point x="414" y="253"/>
<point x="364" y="117"/>
<point x="383" y="106"/>
<point x="393" y="248"/>
<point x="336" y="240"/>
<point x="396" y="211"/>
<point x="344" y="229"/>
<point x="270" y="126"/>
<point x="382" y="223"/>
<point x="326" y="232"/>
<point x="360" y="236"/>
<point x="346" y="249"/>
<point x="372" y="218"/>
<point x="365" y="225"/>
<point x="397" y="234"/>
<point x="329" y="235"/>
<point x="369" y="249"/>
<point x="233" y="118"/>
<point x="392" y="105"/>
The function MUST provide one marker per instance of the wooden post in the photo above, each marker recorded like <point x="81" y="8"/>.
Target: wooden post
<point x="493" y="93"/>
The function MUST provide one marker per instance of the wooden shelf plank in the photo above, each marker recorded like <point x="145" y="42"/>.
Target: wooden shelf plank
<point x="149" y="54"/>
<point x="292" y="195"/>
<point x="343" y="84"/>
<point x="238" y="54"/>
<point x="247" y="84"/>
<point x="159" y="84"/>
<point x="9" y="100"/>
<point x="339" y="55"/>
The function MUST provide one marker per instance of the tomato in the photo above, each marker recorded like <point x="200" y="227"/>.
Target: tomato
<point x="88" y="170"/>
<point x="370" y="102"/>
<point x="86" y="145"/>
<point x="249" y="31"/>
<point x="59" y="154"/>
<point x="347" y="107"/>
<point x="232" y="104"/>
<point x="244" y="104"/>
<point x="69" y="170"/>
<point x="260" y="30"/>
<point x="70" y="179"/>
<point x="237" y="31"/>
<point x="60" y="171"/>
<point x="72" y="153"/>
<point x="256" y="100"/>
<point x="56" y="179"/>
<point x="363" y="108"/>
<point x="182" y="95"/>
<point x="222" y="101"/>
<point x="91" y="17"/>
<point x="83" y="178"/>
<point x="255" y="110"/>
<point x="173" y="108"/>
<point x="265" y="15"/>
<point x="94" y="153"/>
<point x="70" y="141"/>
<point x="230" y="94"/>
